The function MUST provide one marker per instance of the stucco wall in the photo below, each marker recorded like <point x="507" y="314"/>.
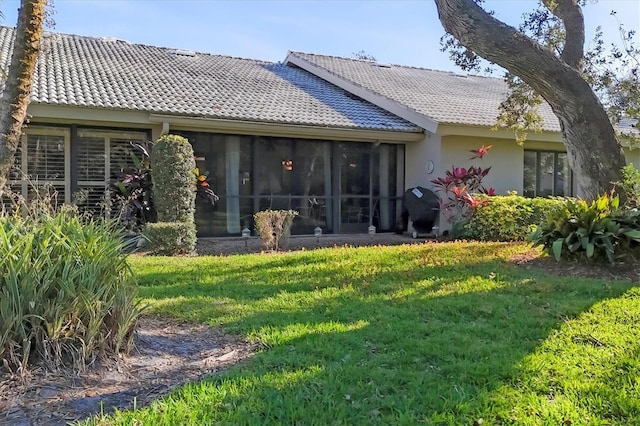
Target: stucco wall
<point x="633" y="156"/>
<point x="417" y="154"/>
<point x="505" y="159"/>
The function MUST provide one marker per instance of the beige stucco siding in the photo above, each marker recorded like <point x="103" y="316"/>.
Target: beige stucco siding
<point x="633" y="156"/>
<point x="505" y="159"/>
<point x="417" y="154"/>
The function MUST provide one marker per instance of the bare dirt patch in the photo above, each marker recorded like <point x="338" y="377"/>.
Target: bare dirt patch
<point x="627" y="271"/>
<point x="167" y="354"/>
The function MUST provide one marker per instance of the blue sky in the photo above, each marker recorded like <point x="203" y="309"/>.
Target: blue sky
<point x="398" y="32"/>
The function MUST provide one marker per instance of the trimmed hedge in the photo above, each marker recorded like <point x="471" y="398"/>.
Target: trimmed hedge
<point x="508" y="217"/>
<point x="171" y="238"/>
<point x="174" y="184"/>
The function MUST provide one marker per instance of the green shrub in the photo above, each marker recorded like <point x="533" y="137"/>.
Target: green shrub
<point x="174" y="182"/>
<point x="274" y="226"/>
<point x="171" y="238"/>
<point x="508" y="217"/>
<point x="598" y="230"/>
<point x="65" y="290"/>
<point x="629" y="187"/>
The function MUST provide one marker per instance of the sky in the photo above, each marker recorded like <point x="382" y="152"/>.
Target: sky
<point x="404" y="32"/>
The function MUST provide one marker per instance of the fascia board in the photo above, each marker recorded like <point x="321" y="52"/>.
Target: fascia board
<point x="383" y="102"/>
<point x="285" y="130"/>
<point x="73" y="114"/>
<point x="487" y="132"/>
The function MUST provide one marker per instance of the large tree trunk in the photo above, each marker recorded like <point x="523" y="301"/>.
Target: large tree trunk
<point x="17" y="91"/>
<point x="595" y="156"/>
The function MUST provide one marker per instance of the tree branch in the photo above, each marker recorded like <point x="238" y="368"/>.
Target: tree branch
<point x="506" y="46"/>
<point x="570" y="13"/>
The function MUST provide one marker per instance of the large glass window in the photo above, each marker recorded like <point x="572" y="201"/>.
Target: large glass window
<point x="546" y="173"/>
<point x="100" y="155"/>
<point x="341" y="187"/>
<point x="42" y="163"/>
<point x="77" y="168"/>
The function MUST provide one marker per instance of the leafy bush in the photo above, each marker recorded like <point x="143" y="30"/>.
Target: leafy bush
<point x="274" y="226"/>
<point x="174" y="183"/>
<point x="597" y="230"/>
<point x="171" y="238"/>
<point x="65" y="290"/>
<point x="629" y="187"/>
<point x="131" y="192"/>
<point x="508" y="217"/>
<point x="457" y="186"/>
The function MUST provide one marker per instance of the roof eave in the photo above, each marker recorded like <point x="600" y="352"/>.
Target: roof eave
<point x="287" y="130"/>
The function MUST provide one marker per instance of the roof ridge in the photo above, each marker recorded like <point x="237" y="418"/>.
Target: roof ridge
<point x="110" y="39"/>
<point x="397" y="65"/>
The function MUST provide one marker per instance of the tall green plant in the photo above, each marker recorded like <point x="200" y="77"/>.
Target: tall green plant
<point x="590" y="231"/>
<point x="174" y="183"/>
<point x="65" y="290"/>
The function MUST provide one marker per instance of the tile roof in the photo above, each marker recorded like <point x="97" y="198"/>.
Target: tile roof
<point x="108" y="73"/>
<point x="444" y="97"/>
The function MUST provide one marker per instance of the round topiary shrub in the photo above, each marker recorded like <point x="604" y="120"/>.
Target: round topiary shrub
<point x="174" y="187"/>
<point x="171" y="238"/>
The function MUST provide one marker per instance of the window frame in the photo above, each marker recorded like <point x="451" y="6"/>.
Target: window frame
<point x="555" y="153"/>
<point x="25" y="181"/>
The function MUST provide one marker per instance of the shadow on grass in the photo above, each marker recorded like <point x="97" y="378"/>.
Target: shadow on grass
<point x="420" y="344"/>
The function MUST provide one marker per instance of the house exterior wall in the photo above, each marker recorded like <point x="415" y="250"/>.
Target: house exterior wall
<point x="505" y="160"/>
<point x="85" y="150"/>
<point x="417" y="155"/>
<point x="633" y="156"/>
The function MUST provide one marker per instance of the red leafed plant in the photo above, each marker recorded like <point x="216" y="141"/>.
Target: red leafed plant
<point x="457" y="186"/>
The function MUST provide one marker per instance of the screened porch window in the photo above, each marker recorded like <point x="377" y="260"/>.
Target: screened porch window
<point x="546" y="173"/>
<point x="99" y="156"/>
<point x="42" y="163"/>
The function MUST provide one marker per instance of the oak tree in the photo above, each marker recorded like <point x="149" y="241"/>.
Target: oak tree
<point x="554" y="71"/>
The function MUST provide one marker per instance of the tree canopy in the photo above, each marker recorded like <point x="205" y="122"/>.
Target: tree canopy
<point x="545" y="60"/>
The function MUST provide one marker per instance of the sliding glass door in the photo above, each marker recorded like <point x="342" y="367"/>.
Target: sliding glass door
<point x="342" y="187"/>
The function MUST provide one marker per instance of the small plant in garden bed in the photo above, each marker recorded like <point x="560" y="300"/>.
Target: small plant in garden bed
<point x="65" y="289"/>
<point x="131" y="192"/>
<point x="459" y="184"/>
<point x="596" y="230"/>
<point x="273" y="227"/>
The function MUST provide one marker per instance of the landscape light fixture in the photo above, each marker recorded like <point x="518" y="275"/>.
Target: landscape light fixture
<point x="246" y="233"/>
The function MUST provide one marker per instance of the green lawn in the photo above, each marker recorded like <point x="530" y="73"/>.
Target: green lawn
<point x="435" y="333"/>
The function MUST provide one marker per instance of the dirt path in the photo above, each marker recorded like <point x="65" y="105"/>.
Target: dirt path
<point x="167" y="354"/>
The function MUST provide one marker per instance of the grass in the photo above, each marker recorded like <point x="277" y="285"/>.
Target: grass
<point x="435" y="333"/>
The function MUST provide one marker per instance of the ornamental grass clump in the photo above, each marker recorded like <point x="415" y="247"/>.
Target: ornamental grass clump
<point x="66" y="291"/>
